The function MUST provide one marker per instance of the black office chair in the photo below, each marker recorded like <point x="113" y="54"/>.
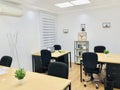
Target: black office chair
<point x="57" y="47"/>
<point x="6" y="61"/>
<point x="100" y="49"/>
<point x="45" y="58"/>
<point x="90" y="61"/>
<point x="58" y="69"/>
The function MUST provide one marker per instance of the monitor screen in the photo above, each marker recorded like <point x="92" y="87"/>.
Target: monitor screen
<point x="51" y="49"/>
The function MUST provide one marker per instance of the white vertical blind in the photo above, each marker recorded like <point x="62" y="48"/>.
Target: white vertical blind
<point x="48" y="29"/>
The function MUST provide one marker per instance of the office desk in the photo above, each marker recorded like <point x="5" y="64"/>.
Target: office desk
<point x="32" y="81"/>
<point x="65" y="56"/>
<point x="110" y="58"/>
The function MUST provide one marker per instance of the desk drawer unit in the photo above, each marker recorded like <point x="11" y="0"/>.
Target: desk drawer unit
<point x="113" y="73"/>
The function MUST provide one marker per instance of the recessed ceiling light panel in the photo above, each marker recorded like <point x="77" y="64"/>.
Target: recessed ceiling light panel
<point x="64" y="5"/>
<point x="80" y="2"/>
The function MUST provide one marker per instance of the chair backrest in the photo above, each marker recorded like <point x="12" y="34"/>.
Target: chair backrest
<point x="57" y="47"/>
<point x="45" y="58"/>
<point x="58" y="69"/>
<point x="99" y="49"/>
<point x="6" y="61"/>
<point x="90" y="61"/>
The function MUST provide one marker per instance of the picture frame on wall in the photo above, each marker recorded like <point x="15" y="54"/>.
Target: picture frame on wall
<point x="106" y="24"/>
<point x="65" y="30"/>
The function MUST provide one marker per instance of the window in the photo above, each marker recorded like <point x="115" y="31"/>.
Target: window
<point x="48" y="29"/>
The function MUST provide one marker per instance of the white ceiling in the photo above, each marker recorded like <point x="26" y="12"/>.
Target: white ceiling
<point x="48" y="5"/>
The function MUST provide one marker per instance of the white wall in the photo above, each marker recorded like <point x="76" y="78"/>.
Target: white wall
<point x="28" y="41"/>
<point x="28" y="29"/>
<point x="93" y="18"/>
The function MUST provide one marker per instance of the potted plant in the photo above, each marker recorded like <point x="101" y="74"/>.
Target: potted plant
<point x="106" y="52"/>
<point x="20" y="73"/>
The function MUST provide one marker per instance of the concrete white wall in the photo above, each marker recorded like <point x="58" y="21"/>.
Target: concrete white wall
<point x="28" y="41"/>
<point x="96" y="35"/>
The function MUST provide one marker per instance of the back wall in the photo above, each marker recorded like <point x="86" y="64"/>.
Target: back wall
<point x="96" y="34"/>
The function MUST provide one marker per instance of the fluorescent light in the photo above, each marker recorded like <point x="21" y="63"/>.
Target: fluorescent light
<point x="63" y="5"/>
<point x="80" y="2"/>
<point x="72" y="3"/>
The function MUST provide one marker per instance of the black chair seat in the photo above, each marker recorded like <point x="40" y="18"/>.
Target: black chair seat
<point x="58" y="69"/>
<point x="96" y="70"/>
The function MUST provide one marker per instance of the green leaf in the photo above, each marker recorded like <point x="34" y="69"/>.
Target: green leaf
<point x="106" y="51"/>
<point x="20" y="73"/>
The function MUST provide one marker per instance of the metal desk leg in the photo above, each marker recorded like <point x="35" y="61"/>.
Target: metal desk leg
<point x="70" y="86"/>
<point x="80" y="72"/>
<point x="33" y="63"/>
<point x="70" y="59"/>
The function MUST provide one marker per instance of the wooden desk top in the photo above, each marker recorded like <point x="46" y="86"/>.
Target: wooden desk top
<point x="32" y="81"/>
<point x="55" y="54"/>
<point x="109" y="58"/>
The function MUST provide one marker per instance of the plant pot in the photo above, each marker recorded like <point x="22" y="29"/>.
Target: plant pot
<point x="106" y="55"/>
<point x="20" y="81"/>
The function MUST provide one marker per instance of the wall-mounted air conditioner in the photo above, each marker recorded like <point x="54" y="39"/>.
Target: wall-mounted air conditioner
<point x="14" y="1"/>
<point x="10" y="10"/>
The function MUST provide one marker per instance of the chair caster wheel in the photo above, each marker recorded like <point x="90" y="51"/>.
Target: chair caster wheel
<point x="85" y="85"/>
<point x="96" y="87"/>
<point x="83" y="80"/>
<point x="102" y="82"/>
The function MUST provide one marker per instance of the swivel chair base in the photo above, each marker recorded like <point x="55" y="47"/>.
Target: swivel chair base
<point x="92" y="80"/>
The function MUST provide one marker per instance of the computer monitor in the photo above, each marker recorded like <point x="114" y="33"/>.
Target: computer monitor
<point x="51" y="49"/>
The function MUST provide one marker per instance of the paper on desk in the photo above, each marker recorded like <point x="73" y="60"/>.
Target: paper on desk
<point x="3" y="70"/>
